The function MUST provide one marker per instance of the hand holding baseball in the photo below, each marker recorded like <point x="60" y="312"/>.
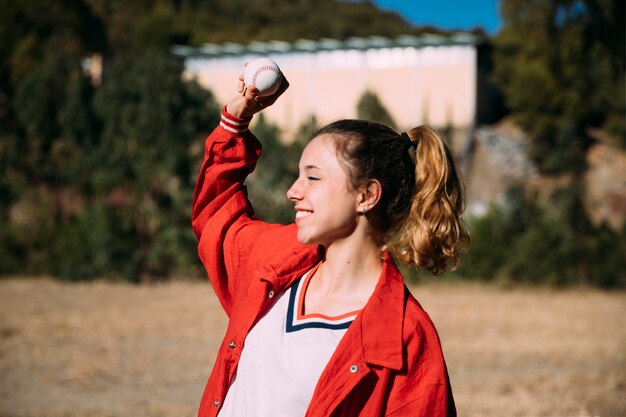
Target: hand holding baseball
<point x="259" y="87"/>
<point x="264" y="74"/>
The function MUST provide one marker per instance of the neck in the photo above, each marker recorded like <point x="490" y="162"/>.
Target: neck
<point x="350" y="267"/>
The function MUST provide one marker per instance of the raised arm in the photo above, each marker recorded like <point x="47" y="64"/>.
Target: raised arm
<point x="221" y="209"/>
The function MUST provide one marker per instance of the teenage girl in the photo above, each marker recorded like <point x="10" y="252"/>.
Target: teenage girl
<point x="320" y="321"/>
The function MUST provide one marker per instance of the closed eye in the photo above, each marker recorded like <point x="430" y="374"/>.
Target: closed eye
<point x="310" y="178"/>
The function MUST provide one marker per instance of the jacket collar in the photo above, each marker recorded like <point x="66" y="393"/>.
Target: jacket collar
<point x="382" y="318"/>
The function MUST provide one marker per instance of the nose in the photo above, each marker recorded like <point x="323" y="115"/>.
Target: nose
<point x="294" y="193"/>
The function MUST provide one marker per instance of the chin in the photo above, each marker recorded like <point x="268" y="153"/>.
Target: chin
<point x="304" y="240"/>
<point x="307" y="240"/>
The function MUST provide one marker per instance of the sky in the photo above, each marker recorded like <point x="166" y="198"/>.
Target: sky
<point x="448" y="14"/>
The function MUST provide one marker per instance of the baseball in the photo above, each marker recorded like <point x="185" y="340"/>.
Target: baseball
<point x="264" y="74"/>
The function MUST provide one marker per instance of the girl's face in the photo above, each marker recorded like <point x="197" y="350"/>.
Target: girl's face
<point x="326" y="205"/>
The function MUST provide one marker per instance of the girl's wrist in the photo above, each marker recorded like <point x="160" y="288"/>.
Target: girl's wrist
<point x="232" y="110"/>
<point x="233" y="122"/>
<point x="238" y="107"/>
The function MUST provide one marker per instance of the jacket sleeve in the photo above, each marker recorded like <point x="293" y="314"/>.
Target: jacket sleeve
<point x="221" y="211"/>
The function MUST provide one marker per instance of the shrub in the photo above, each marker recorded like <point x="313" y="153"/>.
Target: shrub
<point x="526" y="242"/>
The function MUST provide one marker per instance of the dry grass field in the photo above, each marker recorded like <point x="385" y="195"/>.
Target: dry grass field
<point x="114" y="349"/>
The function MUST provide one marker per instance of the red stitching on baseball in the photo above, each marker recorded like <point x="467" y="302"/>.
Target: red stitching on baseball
<point x="261" y="69"/>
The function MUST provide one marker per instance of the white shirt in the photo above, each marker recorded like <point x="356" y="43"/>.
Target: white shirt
<point x="283" y="357"/>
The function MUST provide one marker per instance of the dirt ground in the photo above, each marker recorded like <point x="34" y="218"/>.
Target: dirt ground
<point x="114" y="349"/>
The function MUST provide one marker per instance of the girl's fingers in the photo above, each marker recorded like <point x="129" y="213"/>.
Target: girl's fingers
<point x="251" y="92"/>
<point x="240" y="84"/>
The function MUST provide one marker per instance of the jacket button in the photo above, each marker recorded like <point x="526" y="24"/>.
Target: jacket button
<point x="270" y="294"/>
<point x="232" y="344"/>
<point x="216" y="403"/>
<point x="354" y="369"/>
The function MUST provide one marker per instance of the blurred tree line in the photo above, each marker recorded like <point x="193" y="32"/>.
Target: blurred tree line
<point x="561" y="66"/>
<point x="96" y="180"/>
<point x="160" y="23"/>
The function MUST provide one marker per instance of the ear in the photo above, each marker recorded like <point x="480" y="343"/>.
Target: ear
<point x="369" y="195"/>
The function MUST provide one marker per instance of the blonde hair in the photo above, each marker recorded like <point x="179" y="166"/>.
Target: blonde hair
<point x="433" y="235"/>
<point x="418" y="216"/>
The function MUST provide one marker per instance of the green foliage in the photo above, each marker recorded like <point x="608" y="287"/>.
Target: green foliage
<point x="151" y="120"/>
<point x="370" y="107"/>
<point x="100" y="241"/>
<point x="99" y="182"/>
<point x="52" y="104"/>
<point x="28" y="232"/>
<point x="133" y="26"/>
<point x="159" y="29"/>
<point x="275" y="19"/>
<point x="525" y="242"/>
<point x="561" y="64"/>
<point x="28" y="29"/>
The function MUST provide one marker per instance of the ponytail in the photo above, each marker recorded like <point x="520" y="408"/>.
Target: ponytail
<point x="433" y="234"/>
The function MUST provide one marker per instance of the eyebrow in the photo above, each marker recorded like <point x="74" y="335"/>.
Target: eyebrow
<point x="312" y="167"/>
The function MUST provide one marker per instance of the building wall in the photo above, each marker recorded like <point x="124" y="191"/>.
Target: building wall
<point x="430" y="84"/>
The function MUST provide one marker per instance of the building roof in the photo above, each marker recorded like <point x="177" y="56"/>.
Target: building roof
<point x="325" y="44"/>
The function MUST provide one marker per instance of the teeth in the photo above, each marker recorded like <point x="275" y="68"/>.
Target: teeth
<point x="300" y="214"/>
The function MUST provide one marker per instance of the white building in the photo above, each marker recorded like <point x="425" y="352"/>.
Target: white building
<point x="428" y="79"/>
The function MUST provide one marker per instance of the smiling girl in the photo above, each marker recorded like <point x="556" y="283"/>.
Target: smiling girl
<point x="320" y="321"/>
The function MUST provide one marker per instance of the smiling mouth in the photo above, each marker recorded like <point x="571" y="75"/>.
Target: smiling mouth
<point x="300" y="214"/>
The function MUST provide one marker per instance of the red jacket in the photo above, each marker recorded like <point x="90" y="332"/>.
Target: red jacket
<point x="389" y="363"/>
